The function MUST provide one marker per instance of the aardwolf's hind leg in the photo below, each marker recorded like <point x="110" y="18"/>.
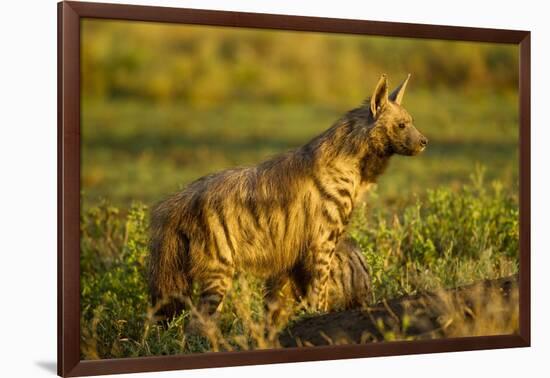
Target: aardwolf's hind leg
<point x="215" y="285"/>
<point x="280" y="293"/>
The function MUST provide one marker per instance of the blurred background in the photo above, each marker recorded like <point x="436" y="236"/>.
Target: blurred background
<point x="165" y="104"/>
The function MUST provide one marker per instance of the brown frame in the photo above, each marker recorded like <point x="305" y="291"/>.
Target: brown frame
<point x="69" y="15"/>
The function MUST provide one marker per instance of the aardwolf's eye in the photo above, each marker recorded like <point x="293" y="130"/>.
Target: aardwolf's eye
<point x="401" y="125"/>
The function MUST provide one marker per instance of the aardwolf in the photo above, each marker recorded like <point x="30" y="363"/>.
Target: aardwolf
<point x="282" y="218"/>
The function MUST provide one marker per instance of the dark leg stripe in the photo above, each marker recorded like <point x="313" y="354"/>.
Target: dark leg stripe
<point x="329" y="217"/>
<point x="362" y="263"/>
<point x="335" y="172"/>
<point x="215" y="289"/>
<point x="344" y="193"/>
<point x="344" y="179"/>
<point x="352" y="271"/>
<point x="341" y="215"/>
<point x="332" y="276"/>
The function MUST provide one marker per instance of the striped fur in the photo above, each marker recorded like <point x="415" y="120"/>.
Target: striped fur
<point x="281" y="218"/>
<point x="349" y="281"/>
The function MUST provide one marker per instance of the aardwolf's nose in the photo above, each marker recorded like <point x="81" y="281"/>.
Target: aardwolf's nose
<point x="423" y="142"/>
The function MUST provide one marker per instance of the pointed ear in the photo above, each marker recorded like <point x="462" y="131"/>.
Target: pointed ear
<point x="380" y="96"/>
<point x="397" y="95"/>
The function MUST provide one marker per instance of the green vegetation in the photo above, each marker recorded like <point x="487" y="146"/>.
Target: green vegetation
<point x="450" y="239"/>
<point x="208" y="66"/>
<point x="447" y="240"/>
<point x="133" y="151"/>
<point x="163" y="105"/>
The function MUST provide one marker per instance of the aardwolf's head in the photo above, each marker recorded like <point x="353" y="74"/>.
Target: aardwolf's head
<point x="393" y="125"/>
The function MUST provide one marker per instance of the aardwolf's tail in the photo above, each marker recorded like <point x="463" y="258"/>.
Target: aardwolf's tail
<point x="168" y="252"/>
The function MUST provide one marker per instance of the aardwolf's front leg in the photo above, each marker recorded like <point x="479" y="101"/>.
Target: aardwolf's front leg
<point x="317" y="297"/>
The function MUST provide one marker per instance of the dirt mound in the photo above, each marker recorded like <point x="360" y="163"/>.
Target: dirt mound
<point x="488" y="307"/>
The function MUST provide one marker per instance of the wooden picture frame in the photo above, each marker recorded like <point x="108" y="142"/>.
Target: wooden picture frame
<point x="70" y="15"/>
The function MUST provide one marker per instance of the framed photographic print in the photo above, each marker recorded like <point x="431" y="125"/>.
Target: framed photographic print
<point x="239" y="188"/>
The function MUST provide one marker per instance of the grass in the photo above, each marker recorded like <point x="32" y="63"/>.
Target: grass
<point x="163" y="105"/>
<point x="138" y="151"/>
<point x="452" y="238"/>
<point x="205" y="66"/>
<point x="434" y="221"/>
